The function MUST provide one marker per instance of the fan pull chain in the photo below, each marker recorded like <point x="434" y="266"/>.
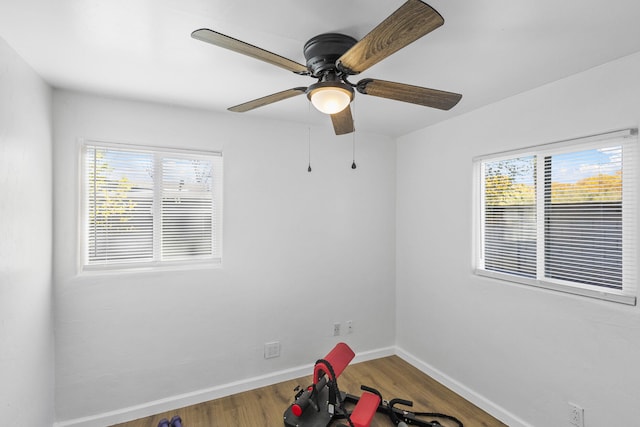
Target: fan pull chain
<point x="309" y="168"/>
<point x="309" y="135"/>
<point x="353" y="165"/>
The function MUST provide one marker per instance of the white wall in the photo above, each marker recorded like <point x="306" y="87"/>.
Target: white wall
<point x="26" y="332"/>
<point x="300" y="252"/>
<point x="527" y="351"/>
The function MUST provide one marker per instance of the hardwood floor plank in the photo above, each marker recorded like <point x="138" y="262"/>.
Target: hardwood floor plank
<point x="392" y="376"/>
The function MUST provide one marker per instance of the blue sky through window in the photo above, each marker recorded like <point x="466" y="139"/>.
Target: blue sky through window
<point x="567" y="168"/>
<point x="570" y="168"/>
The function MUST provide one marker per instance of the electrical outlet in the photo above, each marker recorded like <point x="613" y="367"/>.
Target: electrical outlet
<point x="336" y="329"/>
<point x="576" y="415"/>
<point x="349" y="326"/>
<point x="272" y="349"/>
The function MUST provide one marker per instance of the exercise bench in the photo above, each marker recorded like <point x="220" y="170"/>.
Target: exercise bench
<point x="322" y="402"/>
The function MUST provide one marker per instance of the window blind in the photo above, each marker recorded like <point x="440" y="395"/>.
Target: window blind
<point x="583" y="216"/>
<point x="188" y="208"/>
<point x="510" y="216"/>
<point x="119" y="196"/>
<point x="145" y="205"/>
<point x="563" y="216"/>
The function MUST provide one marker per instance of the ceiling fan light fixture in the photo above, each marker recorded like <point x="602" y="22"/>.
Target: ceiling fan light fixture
<point x="330" y="97"/>
<point x="333" y="57"/>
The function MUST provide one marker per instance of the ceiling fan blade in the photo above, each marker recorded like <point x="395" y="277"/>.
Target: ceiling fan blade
<point x="235" y="45"/>
<point x="343" y="121"/>
<point x="266" y="100"/>
<point x="411" y="21"/>
<point x="407" y="93"/>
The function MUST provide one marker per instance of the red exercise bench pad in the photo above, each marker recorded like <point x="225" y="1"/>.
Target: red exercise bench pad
<point x="365" y="409"/>
<point x="339" y="358"/>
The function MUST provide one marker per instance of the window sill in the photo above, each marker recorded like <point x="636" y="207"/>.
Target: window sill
<point x="125" y="269"/>
<point x="602" y="294"/>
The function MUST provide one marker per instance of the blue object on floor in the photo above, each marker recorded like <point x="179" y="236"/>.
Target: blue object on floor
<point x="176" y="421"/>
<point x="163" y="423"/>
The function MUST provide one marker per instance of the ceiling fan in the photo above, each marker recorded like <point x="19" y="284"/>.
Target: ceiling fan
<point x="331" y="58"/>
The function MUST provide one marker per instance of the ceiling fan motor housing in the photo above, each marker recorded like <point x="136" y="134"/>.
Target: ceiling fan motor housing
<point x="322" y="52"/>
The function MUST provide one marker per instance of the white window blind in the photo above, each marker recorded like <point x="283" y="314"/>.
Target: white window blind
<point x="188" y="208"/>
<point x="562" y="216"/>
<point x="510" y="216"/>
<point x="144" y="205"/>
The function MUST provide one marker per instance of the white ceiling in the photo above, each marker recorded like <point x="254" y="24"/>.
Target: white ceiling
<point x="487" y="50"/>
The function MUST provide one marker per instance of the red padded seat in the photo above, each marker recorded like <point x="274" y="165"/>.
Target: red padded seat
<point x="365" y="409"/>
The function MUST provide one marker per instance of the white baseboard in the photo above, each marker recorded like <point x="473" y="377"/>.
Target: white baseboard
<point x="374" y="354"/>
<point x="477" y="399"/>
<point x="205" y="395"/>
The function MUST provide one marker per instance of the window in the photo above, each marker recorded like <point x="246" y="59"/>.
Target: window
<point x="147" y="206"/>
<point x="562" y="216"/>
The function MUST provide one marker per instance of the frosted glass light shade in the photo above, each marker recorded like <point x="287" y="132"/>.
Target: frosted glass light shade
<point x="330" y="100"/>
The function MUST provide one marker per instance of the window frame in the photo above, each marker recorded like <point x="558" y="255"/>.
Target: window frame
<point x="159" y="153"/>
<point x="628" y="140"/>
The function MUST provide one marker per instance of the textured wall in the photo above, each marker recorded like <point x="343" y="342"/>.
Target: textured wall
<point x="26" y="327"/>
<point x="300" y="251"/>
<point x="526" y="350"/>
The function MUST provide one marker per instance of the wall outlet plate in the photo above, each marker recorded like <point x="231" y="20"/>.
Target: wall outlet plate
<point x="272" y="349"/>
<point x="576" y="415"/>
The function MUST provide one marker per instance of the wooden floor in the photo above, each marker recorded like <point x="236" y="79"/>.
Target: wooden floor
<point x="393" y="377"/>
